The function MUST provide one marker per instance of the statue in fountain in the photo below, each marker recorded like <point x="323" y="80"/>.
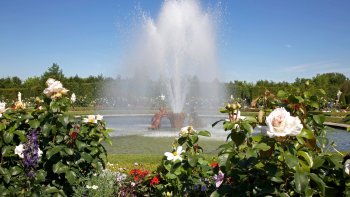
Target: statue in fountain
<point x="157" y="118"/>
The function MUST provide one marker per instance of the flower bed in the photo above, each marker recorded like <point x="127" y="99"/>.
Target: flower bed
<point x="45" y="151"/>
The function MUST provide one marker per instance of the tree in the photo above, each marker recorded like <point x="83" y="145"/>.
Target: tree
<point x="53" y="72"/>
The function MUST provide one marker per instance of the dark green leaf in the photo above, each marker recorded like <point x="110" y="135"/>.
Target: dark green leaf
<point x="321" y="185"/>
<point x="53" y="151"/>
<point x="238" y="138"/>
<point x="215" y="123"/>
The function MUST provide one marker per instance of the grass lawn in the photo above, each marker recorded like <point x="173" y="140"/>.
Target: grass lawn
<point x="148" y="151"/>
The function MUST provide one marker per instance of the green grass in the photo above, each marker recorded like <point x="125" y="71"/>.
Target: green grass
<point x="153" y="145"/>
<point x="148" y="151"/>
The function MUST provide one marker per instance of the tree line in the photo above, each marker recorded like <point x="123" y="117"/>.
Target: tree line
<point x="94" y="90"/>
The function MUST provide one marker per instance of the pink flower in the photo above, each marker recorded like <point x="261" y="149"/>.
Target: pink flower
<point x="219" y="178"/>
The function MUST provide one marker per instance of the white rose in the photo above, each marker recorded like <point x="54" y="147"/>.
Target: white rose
<point x="2" y="107"/>
<point x="90" y="119"/>
<point x="49" y="81"/>
<point x="186" y="130"/>
<point x="280" y="123"/>
<point x="347" y="167"/>
<point x="99" y="117"/>
<point x="73" y="98"/>
<point x="19" y="151"/>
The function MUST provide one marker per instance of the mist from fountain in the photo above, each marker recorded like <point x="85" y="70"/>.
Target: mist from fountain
<point x="179" y="44"/>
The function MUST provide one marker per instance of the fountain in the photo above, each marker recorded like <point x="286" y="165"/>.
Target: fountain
<point x="178" y="44"/>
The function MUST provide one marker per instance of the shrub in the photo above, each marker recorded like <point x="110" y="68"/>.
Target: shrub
<point x="292" y="158"/>
<point x="45" y="151"/>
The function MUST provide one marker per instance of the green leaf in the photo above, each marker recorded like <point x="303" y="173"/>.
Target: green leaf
<point x="182" y="140"/>
<point x="257" y="138"/>
<point x="247" y="127"/>
<point x="192" y="160"/>
<point x="59" y="168"/>
<point x="15" y="170"/>
<point x="284" y="195"/>
<point x="319" y="119"/>
<point x="34" y="124"/>
<point x="69" y="151"/>
<point x="53" y="151"/>
<point x="64" y="120"/>
<point x="21" y="135"/>
<point x="321" y="185"/>
<point x="40" y="175"/>
<point x="238" y="138"/>
<point x="215" y="123"/>
<point x="194" y="139"/>
<point x="70" y="176"/>
<point x="277" y="179"/>
<point x="262" y="146"/>
<point x="318" y="162"/>
<point x="314" y="104"/>
<point x="281" y="94"/>
<point x="306" y="133"/>
<point x="6" y="150"/>
<point x="250" y="119"/>
<point x="87" y="157"/>
<point x="171" y="176"/>
<point x="291" y="160"/>
<point x="301" y="181"/>
<point x="81" y="145"/>
<point x="307" y="157"/>
<point x="8" y="136"/>
<point x="50" y="190"/>
<point x="204" y="133"/>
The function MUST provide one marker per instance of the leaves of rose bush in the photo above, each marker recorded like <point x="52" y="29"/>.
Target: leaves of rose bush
<point x="65" y="158"/>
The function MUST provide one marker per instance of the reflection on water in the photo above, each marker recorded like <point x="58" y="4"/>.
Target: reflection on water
<point x="138" y="125"/>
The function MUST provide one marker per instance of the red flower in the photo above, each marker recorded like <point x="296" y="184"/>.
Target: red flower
<point x="214" y="164"/>
<point x="73" y="135"/>
<point x="154" y="181"/>
<point x="285" y="101"/>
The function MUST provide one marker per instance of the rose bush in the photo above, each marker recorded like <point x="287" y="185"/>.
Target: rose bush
<point x="292" y="158"/>
<point x="45" y="151"/>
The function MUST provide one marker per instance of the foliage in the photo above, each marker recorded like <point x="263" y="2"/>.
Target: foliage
<point x="257" y="165"/>
<point x="183" y="173"/>
<point x="71" y="148"/>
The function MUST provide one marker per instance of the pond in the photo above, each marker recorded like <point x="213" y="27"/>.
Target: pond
<point x="137" y="124"/>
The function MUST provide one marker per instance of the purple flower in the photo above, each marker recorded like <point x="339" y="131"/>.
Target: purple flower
<point x="219" y="178"/>
<point x="203" y="188"/>
<point x="31" y="152"/>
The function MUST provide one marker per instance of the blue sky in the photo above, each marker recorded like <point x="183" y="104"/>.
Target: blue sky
<point x="257" y="39"/>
